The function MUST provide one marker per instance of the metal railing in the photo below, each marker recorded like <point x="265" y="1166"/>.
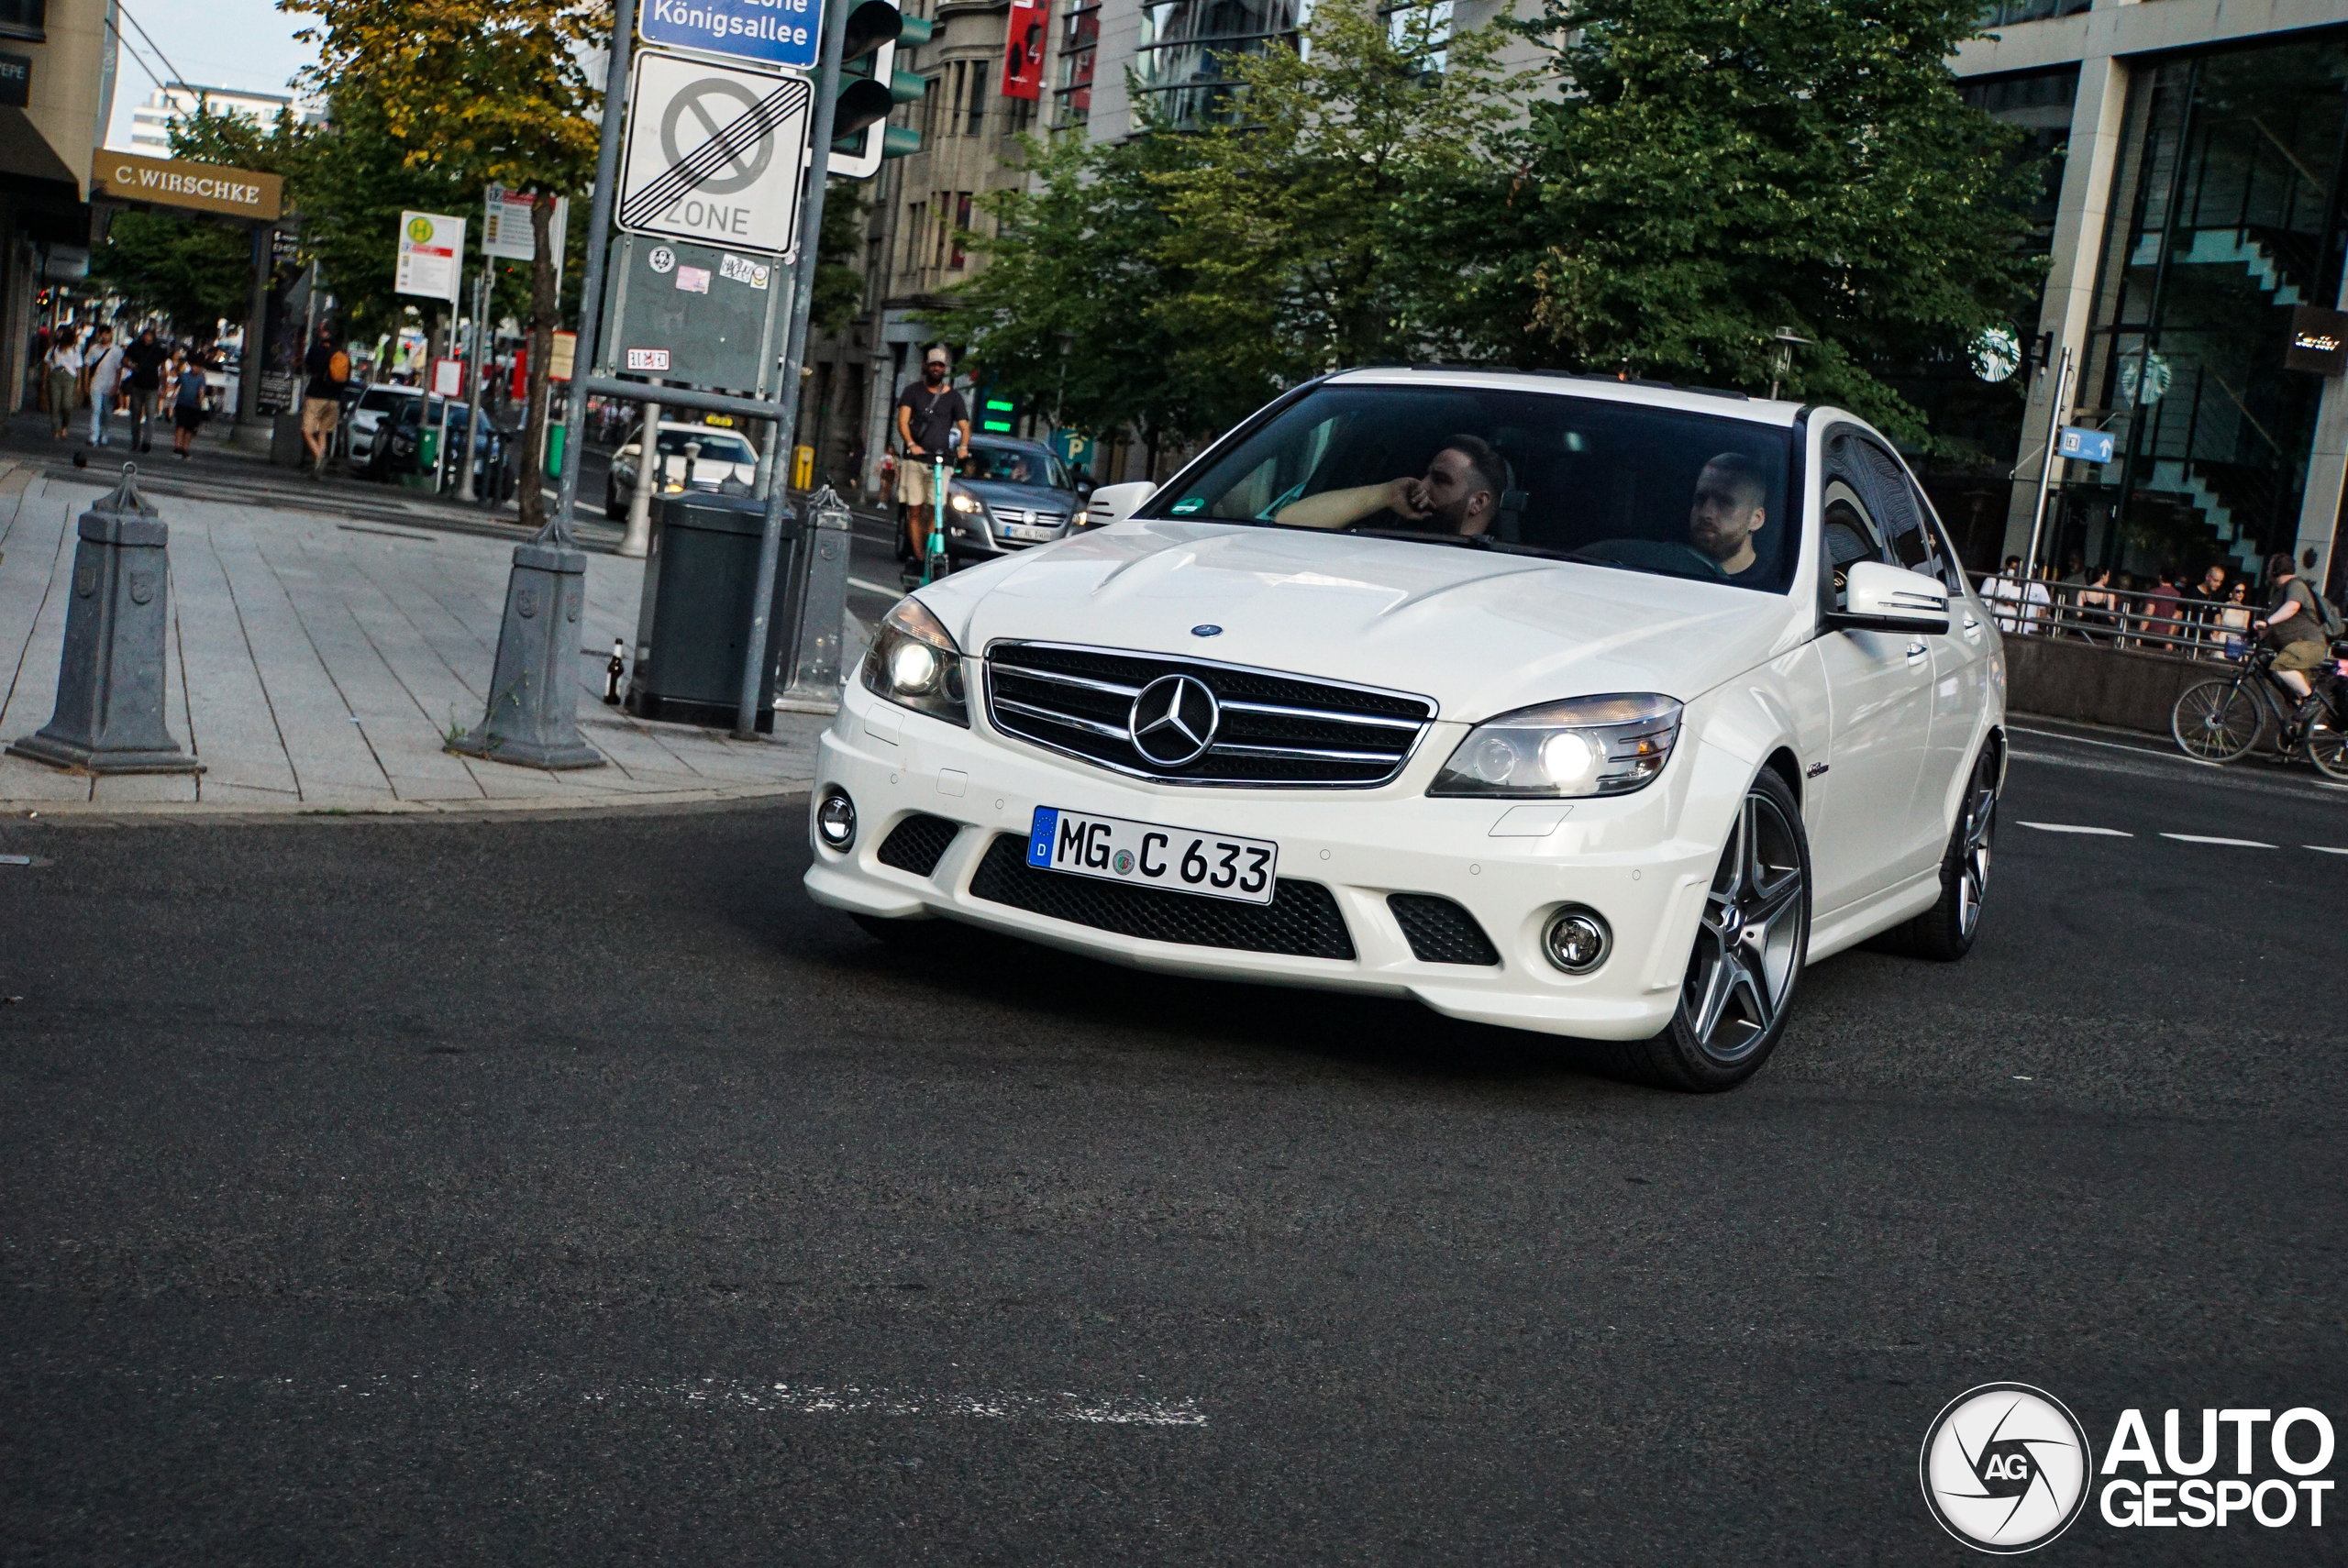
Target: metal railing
<point x="2177" y="625"/>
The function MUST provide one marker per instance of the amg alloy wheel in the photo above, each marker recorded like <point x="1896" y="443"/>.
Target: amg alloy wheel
<point x="2217" y="721"/>
<point x="1945" y="931"/>
<point x="1748" y="953"/>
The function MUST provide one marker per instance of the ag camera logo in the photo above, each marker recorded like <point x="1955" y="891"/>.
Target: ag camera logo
<point x="2005" y="1468"/>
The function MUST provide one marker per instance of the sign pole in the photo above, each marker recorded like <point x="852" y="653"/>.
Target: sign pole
<point x="2055" y="417"/>
<point x="591" y="298"/>
<point x="811" y="228"/>
<point x="472" y="400"/>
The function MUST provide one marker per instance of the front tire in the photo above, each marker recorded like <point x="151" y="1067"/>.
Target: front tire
<point x="1945" y="931"/>
<point x="2217" y="721"/>
<point x="2328" y="749"/>
<point x="1748" y="955"/>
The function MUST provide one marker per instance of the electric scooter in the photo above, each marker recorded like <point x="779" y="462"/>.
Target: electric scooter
<point x="933" y="564"/>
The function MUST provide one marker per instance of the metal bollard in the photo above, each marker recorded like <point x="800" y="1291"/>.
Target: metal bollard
<point x="533" y="717"/>
<point x="109" y="716"/>
<point x="812" y="676"/>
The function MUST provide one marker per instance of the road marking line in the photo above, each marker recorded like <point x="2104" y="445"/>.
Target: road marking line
<point x="875" y="588"/>
<point x="2236" y="843"/>
<point x="2073" y="827"/>
<point x="2323" y="849"/>
<point x="786" y="1398"/>
<point x="27" y="861"/>
<point x="2109" y="745"/>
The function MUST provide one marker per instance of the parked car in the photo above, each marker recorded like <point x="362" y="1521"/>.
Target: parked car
<point x="717" y="456"/>
<point x="1574" y="706"/>
<point x="366" y="419"/>
<point x="1008" y="496"/>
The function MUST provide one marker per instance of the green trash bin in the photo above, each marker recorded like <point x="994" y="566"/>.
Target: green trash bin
<point x="693" y="621"/>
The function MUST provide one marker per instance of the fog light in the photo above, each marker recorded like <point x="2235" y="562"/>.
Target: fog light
<point x="835" y="819"/>
<point x="1576" y="940"/>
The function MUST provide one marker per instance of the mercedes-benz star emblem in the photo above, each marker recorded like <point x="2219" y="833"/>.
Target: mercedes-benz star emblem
<point x="1174" y="719"/>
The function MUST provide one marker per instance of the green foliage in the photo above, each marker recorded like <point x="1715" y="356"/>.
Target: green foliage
<point x="192" y="271"/>
<point x="839" y="283"/>
<point x="1724" y="168"/>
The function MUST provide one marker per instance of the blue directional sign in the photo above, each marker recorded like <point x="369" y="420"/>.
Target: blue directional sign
<point x="773" y="32"/>
<point x="2084" y="446"/>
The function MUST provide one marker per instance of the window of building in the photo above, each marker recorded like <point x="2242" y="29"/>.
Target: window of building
<point x="2005" y="13"/>
<point x="1183" y="62"/>
<point x="961" y="226"/>
<point x="23" y="19"/>
<point x="1079" y="43"/>
<point x="916" y="236"/>
<point x="976" y="119"/>
<point x="929" y="108"/>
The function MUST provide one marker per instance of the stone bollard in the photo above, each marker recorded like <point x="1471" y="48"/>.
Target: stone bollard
<point x="532" y="718"/>
<point x="109" y="716"/>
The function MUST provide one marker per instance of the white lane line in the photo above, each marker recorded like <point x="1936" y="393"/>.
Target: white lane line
<point x="2324" y="849"/>
<point x="2234" y="842"/>
<point x="875" y="588"/>
<point x="2073" y="827"/>
<point x="27" y="861"/>
<point x="2109" y="745"/>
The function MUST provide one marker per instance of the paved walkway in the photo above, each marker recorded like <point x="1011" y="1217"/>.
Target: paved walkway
<point x="317" y="662"/>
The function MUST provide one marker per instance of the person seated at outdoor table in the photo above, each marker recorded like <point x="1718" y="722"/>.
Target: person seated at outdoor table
<point x="1460" y="494"/>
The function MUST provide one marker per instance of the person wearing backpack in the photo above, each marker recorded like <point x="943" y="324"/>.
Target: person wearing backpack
<point x="2301" y="625"/>
<point x="328" y="368"/>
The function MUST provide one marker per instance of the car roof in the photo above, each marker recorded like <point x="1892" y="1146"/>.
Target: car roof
<point x="1021" y="443"/>
<point x="1647" y="395"/>
<point x="697" y="424"/>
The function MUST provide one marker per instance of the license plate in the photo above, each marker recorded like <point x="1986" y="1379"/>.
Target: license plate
<point x="1022" y="531"/>
<point x="1147" y="854"/>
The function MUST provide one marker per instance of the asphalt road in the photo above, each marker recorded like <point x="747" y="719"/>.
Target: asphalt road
<point x="574" y="1190"/>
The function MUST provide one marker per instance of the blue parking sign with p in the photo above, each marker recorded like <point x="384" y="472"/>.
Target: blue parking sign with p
<point x="2084" y="446"/>
<point x="773" y="32"/>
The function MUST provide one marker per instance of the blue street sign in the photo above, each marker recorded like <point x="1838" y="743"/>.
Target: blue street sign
<point x="773" y="32"/>
<point x="2084" y="446"/>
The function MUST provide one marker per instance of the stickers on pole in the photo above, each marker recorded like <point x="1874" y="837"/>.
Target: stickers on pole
<point x="714" y="154"/>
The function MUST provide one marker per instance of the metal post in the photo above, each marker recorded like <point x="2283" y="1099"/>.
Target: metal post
<point x="811" y="228"/>
<point x="473" y="404"/>
<point x="591" y="298"/>
<point x="639" y="543"/>
<point x="2046" y="466"/>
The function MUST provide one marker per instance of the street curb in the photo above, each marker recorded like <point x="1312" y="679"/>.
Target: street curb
<point x="93" y="811"/>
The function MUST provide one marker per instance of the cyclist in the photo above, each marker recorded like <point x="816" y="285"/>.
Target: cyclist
<point x="2294" y="624"/>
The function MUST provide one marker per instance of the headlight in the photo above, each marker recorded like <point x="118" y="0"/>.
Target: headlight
<point x="914" y="663"/>
<point x="1588" y="746"/>
<point x="962" y="500"/>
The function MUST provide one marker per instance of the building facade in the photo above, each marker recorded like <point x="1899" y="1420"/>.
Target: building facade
<point x="2196" y="154"/>
<point x="151" y="122"/>
<point x="57" y="68"/>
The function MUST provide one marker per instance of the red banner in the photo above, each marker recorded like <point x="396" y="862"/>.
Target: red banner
<point x="1022" y="55"/>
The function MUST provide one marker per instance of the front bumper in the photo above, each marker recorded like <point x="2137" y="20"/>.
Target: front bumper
<point x="1623" y="856"/>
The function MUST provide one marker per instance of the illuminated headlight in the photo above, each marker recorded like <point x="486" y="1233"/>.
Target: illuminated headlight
<point x="1587" y="746"/>
<point x="914" y="663"/>
<point x="963" y="500"/>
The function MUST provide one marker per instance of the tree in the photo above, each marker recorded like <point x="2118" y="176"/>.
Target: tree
<point x="476" y="92"/>
<point x="1721" y="169"/>
<point x="1064" y="315"/>
<point x="1346" y="211"/>
<point x="192" y="271"/>
<point x="839" y="285"/>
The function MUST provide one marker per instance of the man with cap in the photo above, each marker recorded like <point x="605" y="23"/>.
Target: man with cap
<point x="931" y="419"/>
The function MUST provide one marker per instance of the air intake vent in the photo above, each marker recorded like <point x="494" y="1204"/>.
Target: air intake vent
<point x="917" y="843"/>
<point x="1263" y="728"/>
<point x="1301" y="919"/>
<point x="1439" y="931"/>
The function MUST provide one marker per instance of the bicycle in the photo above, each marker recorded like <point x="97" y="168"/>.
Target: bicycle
<point x="2218" y="721"/>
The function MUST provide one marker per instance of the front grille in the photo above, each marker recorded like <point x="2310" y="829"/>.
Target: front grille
<point x="1028" y="518"/>
<point x="1301" y="919"/>
<point x="1439" y="931"/>
<point x="917" y="843"/>
<point x="1276" y="731"/>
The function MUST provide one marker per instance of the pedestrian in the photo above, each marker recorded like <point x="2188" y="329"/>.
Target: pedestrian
<point x="187" y="405"/>
<point x="2202" y="602"/>
<point x="103" y="359"/>
<point x="2233" y="620"/>
<point x="143" y="378"/>
<point x="327" y="368"/>
<point x="2098" y="607"/>
<point x="2161" y="603"/>
<point x="2026" y="599"/>
<point x="932" y="419"/>
<point x="65" y="377"/>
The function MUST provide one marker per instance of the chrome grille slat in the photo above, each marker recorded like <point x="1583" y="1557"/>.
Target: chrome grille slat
<point x="1276" y="730"/>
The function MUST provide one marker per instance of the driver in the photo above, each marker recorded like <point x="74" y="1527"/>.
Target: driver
<point x="1728" y="511"/>
<point x="1460" y="494"/>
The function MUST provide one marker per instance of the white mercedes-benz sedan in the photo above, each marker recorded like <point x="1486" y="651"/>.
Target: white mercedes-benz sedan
<point x="1575" y="705"/>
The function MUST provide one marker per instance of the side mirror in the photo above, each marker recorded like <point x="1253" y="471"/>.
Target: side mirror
<point x="1880" y="598"/>
<point x="1115" y="502"/>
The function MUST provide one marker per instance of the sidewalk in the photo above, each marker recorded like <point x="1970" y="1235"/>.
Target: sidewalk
<point x="317" y="662"/>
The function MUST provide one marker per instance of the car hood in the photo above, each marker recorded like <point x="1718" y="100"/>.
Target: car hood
<point x="1479" y="633"/>
<point x="1032" y="497"/>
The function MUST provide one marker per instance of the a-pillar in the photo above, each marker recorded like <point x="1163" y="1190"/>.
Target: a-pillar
<point x="2082" y="224"/>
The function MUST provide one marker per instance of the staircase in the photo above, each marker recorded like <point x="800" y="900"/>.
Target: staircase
<point x="2263" y="255"/>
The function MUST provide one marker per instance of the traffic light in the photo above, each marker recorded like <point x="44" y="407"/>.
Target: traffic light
<point x="871" y="85"/>
<point x="998" y="416"/>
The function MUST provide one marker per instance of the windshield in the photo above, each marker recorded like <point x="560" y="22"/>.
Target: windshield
<point x="1616" y="484"/>
<point x="1015" y="465"/>
<point x="716" y="445"/>
<point x="381" y="398"/>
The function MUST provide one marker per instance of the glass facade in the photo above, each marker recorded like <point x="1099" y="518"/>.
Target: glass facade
<point x="1079" y="47"/>
<point x="2226" y="209"/>
<point x="2006" y="13"/>
<point x="1976" y="421"/>
<point x="1186" y="45"/>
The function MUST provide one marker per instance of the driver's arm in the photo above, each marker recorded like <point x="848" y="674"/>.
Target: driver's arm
<point x="1343" y="508"/>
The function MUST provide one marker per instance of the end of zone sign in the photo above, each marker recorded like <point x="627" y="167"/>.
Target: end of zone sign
<point x="714" y="154"/>
<point x="776" y="32"/>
